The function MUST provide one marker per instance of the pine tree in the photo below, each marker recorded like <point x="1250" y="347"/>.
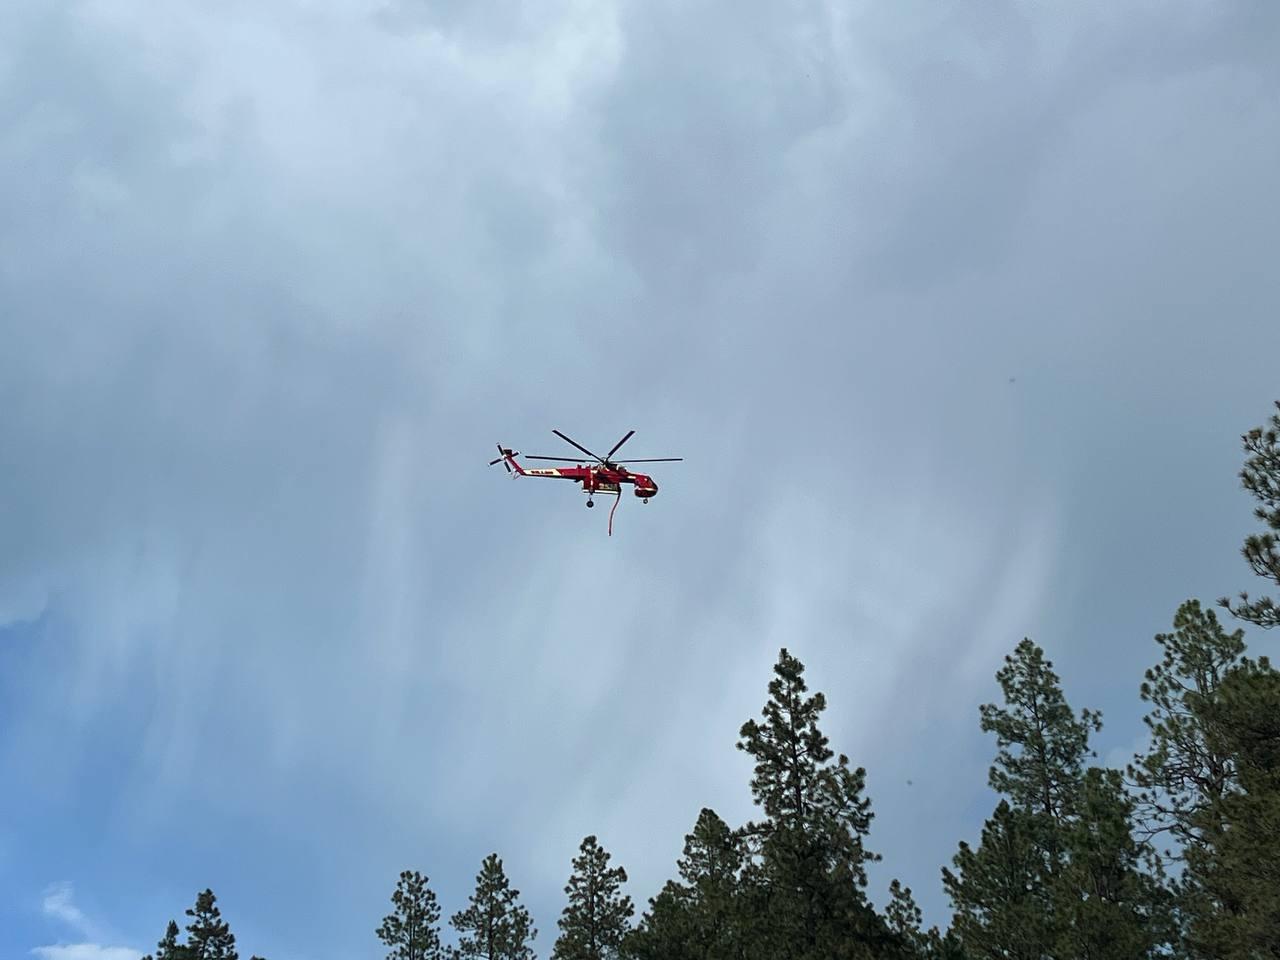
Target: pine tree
<point x="208" y="935"/>
<point x="711" y="862"/>
<point x="903" y="918"/>
<point x="665" y="932"/>
<point x="1041" y="746"/>
<point x="494" y="926"/>
<point x="1003" y="892"/>
<point x="808" y="854"/>
<point x="698" y="918"/>
<point x="711" y="858"/>
<point x="1233" y="874"/>
<point x="1106" y="903"/>
<point x="169" y="948"/>
<point x="411" y="930"/>
<point x="1181" y="776"/>
<point x="1261" y="477"/>
<point x="1058" y="872"/>
<point x="1000" y="891"/>
<point x="594" y="924"/>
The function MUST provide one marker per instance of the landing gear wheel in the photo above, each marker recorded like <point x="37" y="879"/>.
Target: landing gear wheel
<point x="591" y="503"/>
<point x="645" y="500"/>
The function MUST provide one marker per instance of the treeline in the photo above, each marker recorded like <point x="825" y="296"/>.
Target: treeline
<point x="1175" y="856"/>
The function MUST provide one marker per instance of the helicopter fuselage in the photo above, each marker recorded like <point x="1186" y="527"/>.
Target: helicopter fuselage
<point x="593" y="479"/>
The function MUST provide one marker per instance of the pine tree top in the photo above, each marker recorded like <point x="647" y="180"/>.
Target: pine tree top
<point x="494" y="926"/>
<point x="1041" y="745"/>
<point x="595" y="921"/>
<point x="410" y="931"/>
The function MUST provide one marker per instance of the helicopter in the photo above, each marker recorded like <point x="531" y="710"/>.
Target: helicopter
<point x="605" y="475"/>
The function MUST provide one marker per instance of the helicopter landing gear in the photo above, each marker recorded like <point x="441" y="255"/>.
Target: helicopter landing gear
<point x="591" y="503"/>
<point x="645" y="500"/>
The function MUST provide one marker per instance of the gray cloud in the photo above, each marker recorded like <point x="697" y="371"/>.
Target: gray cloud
<point x="274" y="280"/>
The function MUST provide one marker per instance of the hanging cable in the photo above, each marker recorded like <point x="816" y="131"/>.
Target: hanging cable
<point x="614" y="507"/>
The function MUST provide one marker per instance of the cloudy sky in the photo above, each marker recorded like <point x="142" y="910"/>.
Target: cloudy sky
<point x="956" y="310"/>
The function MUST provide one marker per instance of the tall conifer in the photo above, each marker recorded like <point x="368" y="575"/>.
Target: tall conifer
<point x="1182" y="775"/>
<point x="494" y="926"/>
<point x="1107" y="903"/>
<point x="595" y="922"/>
<point x="1232" y="882"/>
<point x="411" y="930"/>
<point x="1058" y="872"/>
<point x="1041" y="745"/>
<point x="209" y="937"/>
<point x="699" y="917"/>
<point x="808" y="854"/>
<point x="1000" y="890"/>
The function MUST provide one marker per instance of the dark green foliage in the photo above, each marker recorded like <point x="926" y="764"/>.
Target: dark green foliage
<point x="1233" y="875"/>
<point x="494" y="926"/>
<point x="712" y="858"/>
<point x="411" y="931"/>
<point x="665" y="929"/>
<point x="903" y="916"/>
<point x="1105" y="903"/>
<point x="1261" y="477"/>
<point x="1182" y="774"/>
<point x="169" y="948"/>
<point x="802" y="793"/>
<point x="1003" y="892"/>
<point x="208" y="935"/>
<point x="1000" y="890"/>
<point x="903" y="919"/>
<point x="1058" y="873"/>
<point x="808" y="860"/>
<point x="1041" y="745"/>
<point x="595" y="922"/>
<point x="699" y="916"/>
<point x="712" y="861"/>
<point x="1210" y="780"/>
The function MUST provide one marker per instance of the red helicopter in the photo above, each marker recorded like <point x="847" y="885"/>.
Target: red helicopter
<point x="606" y="475"/>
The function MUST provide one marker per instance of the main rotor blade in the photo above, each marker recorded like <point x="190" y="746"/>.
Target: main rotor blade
<point x="652" y="460"/>
<point x="560" y="459"/>
<point x="578" y="445"/>
<point x="630" y="433"/>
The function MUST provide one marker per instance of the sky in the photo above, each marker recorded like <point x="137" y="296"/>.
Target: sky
<point x="956" y="313"/>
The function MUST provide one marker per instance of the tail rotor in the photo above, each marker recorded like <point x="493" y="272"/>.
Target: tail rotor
<point x="504" y="459"/>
